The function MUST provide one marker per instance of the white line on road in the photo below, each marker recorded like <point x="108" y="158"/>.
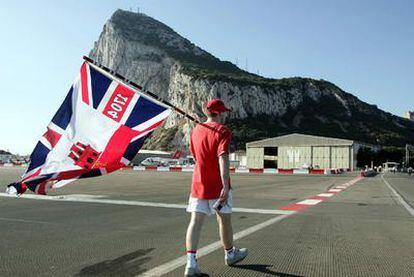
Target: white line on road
<point x="325" y="194"/>
<point x="181" y="261"/>
<point x="399" y="197"/>
<point x="24" y="220"/>
<point x="93" y="199"/>
<point x="309" y="202"/>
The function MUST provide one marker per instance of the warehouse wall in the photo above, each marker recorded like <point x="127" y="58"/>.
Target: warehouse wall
<point x="294" y="157"/>
<point x="321" y="156"/>
<point x="341" y="157"/>
<point x="255" y="157"/>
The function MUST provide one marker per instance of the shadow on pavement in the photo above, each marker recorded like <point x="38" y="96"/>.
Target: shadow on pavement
<point x="264" y="268"/>
<point x="126" y="265"/>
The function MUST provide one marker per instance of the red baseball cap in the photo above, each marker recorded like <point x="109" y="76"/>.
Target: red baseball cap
<point x="217" y="106"/>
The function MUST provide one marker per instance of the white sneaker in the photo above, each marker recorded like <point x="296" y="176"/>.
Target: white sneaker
<point x="192" y="272"/>
<point x="11" y="190"/>
<point x="236" y="256"/>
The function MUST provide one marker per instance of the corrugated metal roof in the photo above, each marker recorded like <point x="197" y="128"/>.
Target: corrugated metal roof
<point x="299" y="140"/>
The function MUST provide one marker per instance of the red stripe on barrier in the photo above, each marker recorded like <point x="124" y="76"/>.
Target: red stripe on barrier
<point x="255" y="170"/>
<point x="317" y="171"/>
<point x="175" y="168"/>
<point x="232" y="170"/>
<point x="150" y="167"/>
<point x="285" y="171"/>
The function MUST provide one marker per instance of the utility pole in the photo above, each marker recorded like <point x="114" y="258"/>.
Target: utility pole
<point x="408" y="148"/>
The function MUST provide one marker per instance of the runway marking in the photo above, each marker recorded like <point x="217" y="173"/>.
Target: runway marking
<point x="181" y="261"/>
<point x="309" y="202"/>
<point x="24" y="220"/>
<point x="325" y="194"/>
<point x="341" y="187"/>
<point x="84" y="198"/>
<point x="399" y="197"/>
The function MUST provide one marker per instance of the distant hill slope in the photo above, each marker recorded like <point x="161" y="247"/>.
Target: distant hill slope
<point x="155" y="56"/>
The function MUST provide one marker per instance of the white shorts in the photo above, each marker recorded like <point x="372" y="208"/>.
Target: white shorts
<point x="206" y="206"/>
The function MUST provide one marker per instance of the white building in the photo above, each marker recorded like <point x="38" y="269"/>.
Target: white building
<point x="5" y="156"/>
<point x="299" y="151"/>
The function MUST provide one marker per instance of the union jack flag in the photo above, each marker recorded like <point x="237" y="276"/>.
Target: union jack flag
<point x="98" y="129"/>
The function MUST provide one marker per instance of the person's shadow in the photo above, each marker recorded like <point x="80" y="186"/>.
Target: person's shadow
<point x="126" y="265"/>
<point x="264" y="268"/>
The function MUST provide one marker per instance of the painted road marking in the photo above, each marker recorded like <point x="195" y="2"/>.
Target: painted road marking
<point x="325" y="194"/>
<point x="335" y="190"/>
<point x="83" y="198"/>
<point x="309" y="202"/>
<point x="341" y="187"/>
<point x="24" y="220"/>
<point x="181" y="261"/>
<point x="399" y="197"/>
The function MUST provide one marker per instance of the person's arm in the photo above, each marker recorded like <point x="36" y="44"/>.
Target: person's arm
<point x="224" y="163"/>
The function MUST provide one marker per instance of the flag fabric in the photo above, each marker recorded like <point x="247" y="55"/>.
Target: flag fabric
<point x="99" y="128"/>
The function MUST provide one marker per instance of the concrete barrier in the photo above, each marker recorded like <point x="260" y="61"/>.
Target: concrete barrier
<point x="285" y="171"/>
<point x="247" y="170"/>
<point x="301" y="171"/>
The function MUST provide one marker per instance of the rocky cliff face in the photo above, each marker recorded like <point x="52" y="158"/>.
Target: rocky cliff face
<point x="156" y="57"/>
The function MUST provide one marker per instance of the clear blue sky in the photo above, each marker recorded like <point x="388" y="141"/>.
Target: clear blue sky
<point x="364" y="47"/>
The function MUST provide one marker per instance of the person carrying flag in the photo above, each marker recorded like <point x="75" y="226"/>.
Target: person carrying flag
<point x="211" y="191"/>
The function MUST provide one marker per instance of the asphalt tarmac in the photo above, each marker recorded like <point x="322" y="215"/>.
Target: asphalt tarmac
<point x="133" y="223"/>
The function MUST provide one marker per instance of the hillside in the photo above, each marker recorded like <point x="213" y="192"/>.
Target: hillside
<point x="155" y="56"/>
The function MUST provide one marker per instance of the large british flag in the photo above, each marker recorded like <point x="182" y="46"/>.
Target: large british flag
<point x="98" y="129"/>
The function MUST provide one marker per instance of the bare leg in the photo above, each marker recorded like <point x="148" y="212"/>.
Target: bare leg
<point x="225" y="229"/>
<point x="194" y="230"/>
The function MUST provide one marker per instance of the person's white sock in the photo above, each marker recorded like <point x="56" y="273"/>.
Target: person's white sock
<point x="191" y="259"/>
<point x="229" y="252"/>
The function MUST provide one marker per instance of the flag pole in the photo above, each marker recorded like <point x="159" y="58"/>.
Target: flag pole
<point x="136" y="86"/>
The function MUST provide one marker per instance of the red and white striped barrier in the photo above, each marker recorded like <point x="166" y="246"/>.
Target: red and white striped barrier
<point x="246" y="170"/>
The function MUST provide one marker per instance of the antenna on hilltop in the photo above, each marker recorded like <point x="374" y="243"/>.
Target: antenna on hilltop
<point x="237" y="61"/>
<point x="247" y="65"/>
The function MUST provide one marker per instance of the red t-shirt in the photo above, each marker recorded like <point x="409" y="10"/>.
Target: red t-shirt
<point x="207" y="143"/>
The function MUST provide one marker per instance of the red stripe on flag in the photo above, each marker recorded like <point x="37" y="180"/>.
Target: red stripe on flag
<point x="111" y="157"/>
<point x="118" y="103"/>
<point x="52" y="137"/>
<point x="32" y="175"/>
<point x="71" y="174"/>
<point x="84" y="83"/>
<point x="115" y="149"/>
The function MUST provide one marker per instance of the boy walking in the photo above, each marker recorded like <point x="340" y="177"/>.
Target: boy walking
<point x="211" y="190"/>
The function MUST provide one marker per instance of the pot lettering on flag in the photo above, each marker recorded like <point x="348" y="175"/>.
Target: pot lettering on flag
<point x="99" y="128"/>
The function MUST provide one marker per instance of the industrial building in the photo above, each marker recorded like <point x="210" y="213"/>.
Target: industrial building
<point x="304" y="151"/>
